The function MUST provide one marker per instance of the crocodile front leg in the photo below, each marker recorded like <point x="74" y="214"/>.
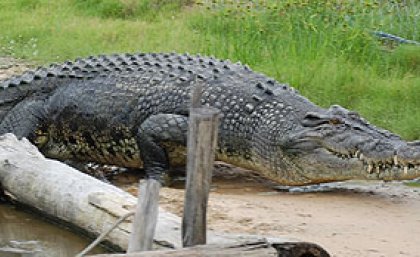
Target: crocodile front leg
<point x="155" y="131"/>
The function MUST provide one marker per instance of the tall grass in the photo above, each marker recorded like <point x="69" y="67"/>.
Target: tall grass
<point x="306" y="29"/>
<point x="324" y="48"/>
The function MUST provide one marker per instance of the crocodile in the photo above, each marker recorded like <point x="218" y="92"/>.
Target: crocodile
<point x="131" y="110"/>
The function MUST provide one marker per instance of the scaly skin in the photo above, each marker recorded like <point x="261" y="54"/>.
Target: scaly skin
<point x="131" y="111"/>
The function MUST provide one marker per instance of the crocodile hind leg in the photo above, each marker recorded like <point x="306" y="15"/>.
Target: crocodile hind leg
<point x="152" y="134"/>
<point x="24" y="119"/>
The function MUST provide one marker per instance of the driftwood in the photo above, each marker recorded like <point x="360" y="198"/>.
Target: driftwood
<point x="249" y="249"/>
<point x="85" y="203"/>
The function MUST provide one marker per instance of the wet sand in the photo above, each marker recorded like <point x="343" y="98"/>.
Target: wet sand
<point x="351" y="219"/>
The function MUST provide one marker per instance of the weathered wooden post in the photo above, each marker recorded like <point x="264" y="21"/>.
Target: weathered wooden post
<point x="202" y="141"/>
<point x="144" y="225"/>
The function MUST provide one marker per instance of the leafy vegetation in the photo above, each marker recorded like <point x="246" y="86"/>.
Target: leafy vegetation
<point x="325" y="49"/>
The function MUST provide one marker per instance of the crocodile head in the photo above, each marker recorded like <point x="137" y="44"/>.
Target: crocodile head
<point x="337" y="144"/>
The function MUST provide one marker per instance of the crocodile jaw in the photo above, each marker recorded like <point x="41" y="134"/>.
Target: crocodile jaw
<point x="336" y="144"/>
<point x="322" y="166"/>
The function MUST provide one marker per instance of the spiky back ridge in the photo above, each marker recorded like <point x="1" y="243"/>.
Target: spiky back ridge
<point x="45" y="79"/>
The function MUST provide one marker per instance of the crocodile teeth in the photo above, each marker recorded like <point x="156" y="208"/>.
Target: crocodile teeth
<point x="361" y="157"/>
<point x="377" y="169"/>
<point x="356" y="154"/>
<point x="405" y="169"/>
<point x="370" y="168"/>
<point x="395" y="160"/>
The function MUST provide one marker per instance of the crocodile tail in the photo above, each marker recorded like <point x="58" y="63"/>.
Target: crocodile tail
<point x="45" y="79"/>
<point x="9" y="97"/>
<point x="15" y="89"/>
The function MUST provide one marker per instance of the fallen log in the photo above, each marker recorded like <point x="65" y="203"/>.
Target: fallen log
<point x="85" y="203"/>
<point x="248" y="249"/>
<point x="71" y="197"/>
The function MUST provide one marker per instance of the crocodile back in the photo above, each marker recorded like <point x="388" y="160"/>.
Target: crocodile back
<point x="44" y="80"/>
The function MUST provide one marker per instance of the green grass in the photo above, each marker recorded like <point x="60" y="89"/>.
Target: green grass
<point x="413" y="184"/>
<point x="57" y="30"/>
<point x="323" y="48"/>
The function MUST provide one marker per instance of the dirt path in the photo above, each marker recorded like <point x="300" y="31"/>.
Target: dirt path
<point x="351" y="219"/>
<point x="10" y="66"/>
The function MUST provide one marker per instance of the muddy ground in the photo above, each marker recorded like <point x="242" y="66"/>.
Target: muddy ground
<point x="358" y="218"/>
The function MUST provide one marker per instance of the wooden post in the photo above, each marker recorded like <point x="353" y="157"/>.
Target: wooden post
<point x="202" y="141"/>
<point x="141" y="238"/>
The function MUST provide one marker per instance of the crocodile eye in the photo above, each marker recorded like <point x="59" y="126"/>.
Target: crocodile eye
<point x="335" y="121"/>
